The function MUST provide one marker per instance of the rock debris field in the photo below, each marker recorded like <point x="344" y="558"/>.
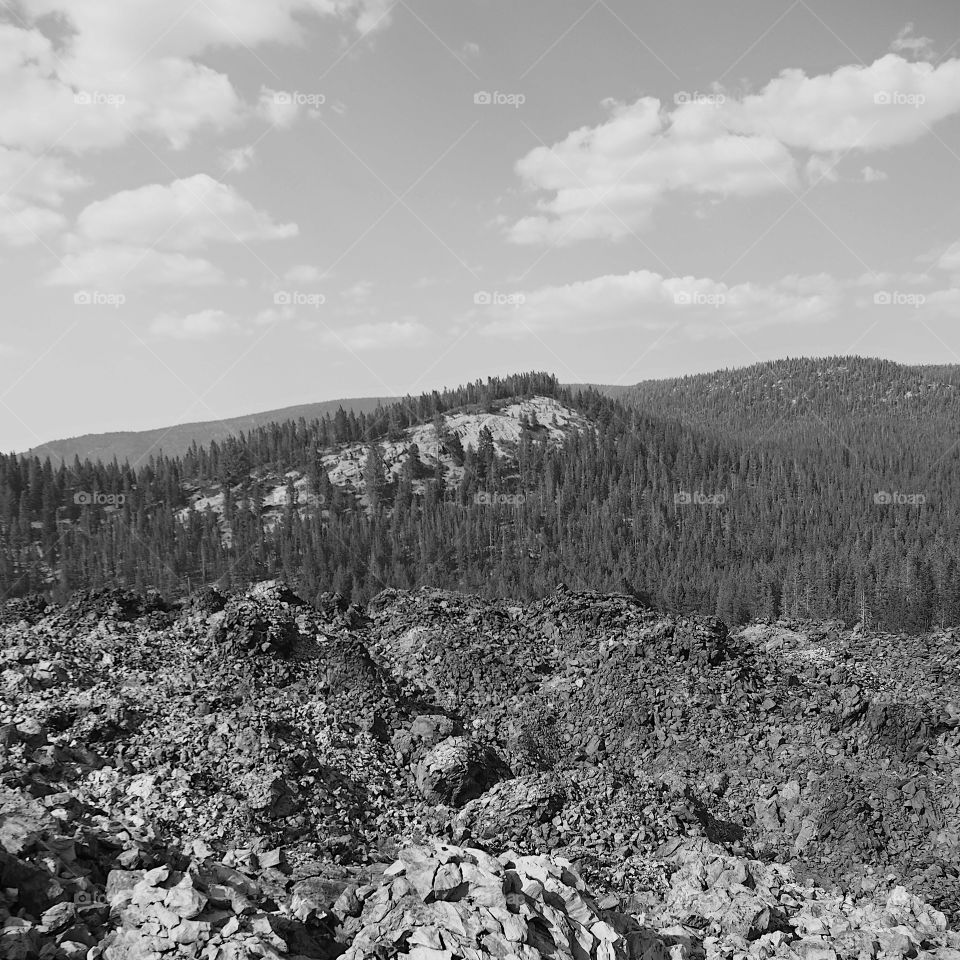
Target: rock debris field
<point x="438" y="776"/>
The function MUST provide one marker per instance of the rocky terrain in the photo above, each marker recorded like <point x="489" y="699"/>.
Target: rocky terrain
<point x="438" y="776"/>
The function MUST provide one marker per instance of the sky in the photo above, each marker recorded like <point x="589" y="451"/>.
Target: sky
<point x="214" y="207"/>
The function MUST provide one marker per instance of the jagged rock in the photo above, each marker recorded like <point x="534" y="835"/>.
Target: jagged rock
<point x="249" y="627"/>
<point x="204" y="602"/>
<point x="511" y="805"/>
<point x="445" y="902"/>
<point x="458" y="769"/>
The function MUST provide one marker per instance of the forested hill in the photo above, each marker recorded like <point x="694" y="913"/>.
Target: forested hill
<point x="136" y="446"/>
<point x="804" y="393"/>
<point x="506" y="488"/>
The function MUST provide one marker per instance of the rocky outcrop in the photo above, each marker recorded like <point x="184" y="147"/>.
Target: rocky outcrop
<point x="444" y="901"/>
<point x="678" y="767"/>
<point x="457" y="770"/>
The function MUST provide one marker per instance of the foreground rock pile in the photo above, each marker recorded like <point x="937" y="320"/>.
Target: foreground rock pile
<point x="440" y="776"/>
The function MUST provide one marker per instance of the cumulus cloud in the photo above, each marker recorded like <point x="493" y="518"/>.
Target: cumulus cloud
<point x="946" y="302"/>
<point x="202" y="325"/>
<point x="372" y="336"/>
<point x="906" y="41"/>
<point x="699" y="306"/>
<point x="120" y="69"/>
<point x="22" y="224"/>
<point x="890" y="102"/>
<point x="358" y="294"/>
<point x="949" y="260"/>
<point x="30" y="187"/>
<point x="119" y="267"/>
<point x="606" y="180"/>
<point x="237" y="159"/>
<point x="822" y="168"/>
<point x="871" y="175"/>
<point x="278" y="107"/>
<point x="302" y="273"/>
<point x="186" y="214"/>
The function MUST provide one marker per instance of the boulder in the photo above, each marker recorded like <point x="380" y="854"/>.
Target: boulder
<point x="457" y="770"/>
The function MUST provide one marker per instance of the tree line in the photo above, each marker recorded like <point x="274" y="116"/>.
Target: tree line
<point x="689" y="516"/>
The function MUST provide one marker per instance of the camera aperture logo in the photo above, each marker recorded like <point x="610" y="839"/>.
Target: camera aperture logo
<point x="484" y="98"/>
<point x="97" y="298"/>
<point x="94" y="498"/>
<point x="298" y="298"/>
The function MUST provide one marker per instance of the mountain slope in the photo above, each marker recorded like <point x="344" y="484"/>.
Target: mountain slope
<point x="842" y="392"/>
<point x="138" y="446"/>
<point x="508" y="487"/>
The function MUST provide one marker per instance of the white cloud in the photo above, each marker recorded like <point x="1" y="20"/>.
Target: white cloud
<point x="820" y="168"/>
<point x="950" y="259"/>
<point x="274" y="315"/>
<point x="302" y="273"/>
<point x="29" y="188"/>
<point x="203" y="325"/>
<point x="237" y="159"/>
<point x="699" y="306"/>
<point x="85" y="98"/>
<point x="118" y="267"/>
<point x="605" y="181"/>
<point x="45" y="179"/>
<point x="872" y="175"/>
<point x="23" y="224"/>
<point x="137" y="65"/>
<point x="358" y="294"/>
<point x="184" y="215"/>
<point x="945" y="302"/>
<point x="278" y="107"/>
<point x="907" y="41"/>
<point x="888" y="103"/>
<point x="371" y="336"/>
